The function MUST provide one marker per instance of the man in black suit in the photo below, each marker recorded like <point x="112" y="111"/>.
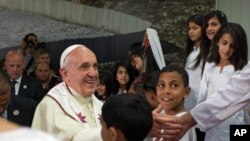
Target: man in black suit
<point x="26" y="92"/>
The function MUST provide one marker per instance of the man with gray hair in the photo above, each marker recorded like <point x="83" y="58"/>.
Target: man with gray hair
<point x="70" y="111"/>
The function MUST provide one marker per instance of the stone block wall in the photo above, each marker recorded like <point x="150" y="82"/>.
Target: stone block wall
<point x="85" y="15"/>
<point x="167" y="16"/>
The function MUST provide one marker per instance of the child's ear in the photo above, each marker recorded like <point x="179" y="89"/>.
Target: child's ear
<point x="116" y="134"/>
<point x="113" y="134"/>
<point x="187" y="91"/>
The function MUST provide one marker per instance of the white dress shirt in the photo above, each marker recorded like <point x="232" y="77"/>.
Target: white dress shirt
<point x="17" y="85"/>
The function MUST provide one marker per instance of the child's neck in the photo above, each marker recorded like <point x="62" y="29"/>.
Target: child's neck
<point x="175" y="111"/>
<point x="123" y="88"/>
<point x="197" y="44"/>
<point x="224" y="63"/>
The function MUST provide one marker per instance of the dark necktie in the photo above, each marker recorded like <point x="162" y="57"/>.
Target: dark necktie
<point x="13" y="90"/>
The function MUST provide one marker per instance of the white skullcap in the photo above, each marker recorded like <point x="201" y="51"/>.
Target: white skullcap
<point x="66" y="52"/>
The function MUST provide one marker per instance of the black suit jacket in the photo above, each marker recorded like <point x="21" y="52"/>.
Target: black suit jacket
<point x="22" y="107"/>
<point x="21" y="110"/>
<point x="32" y="88"/>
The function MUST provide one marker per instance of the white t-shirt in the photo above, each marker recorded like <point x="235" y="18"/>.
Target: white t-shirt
<point x="26" y="134"/>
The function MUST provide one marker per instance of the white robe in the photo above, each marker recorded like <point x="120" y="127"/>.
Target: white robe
<point x="194" y="78"/>
<point x="62" y="114"/>
<point x="213" y="80"/>
<point x="225" y="102"/>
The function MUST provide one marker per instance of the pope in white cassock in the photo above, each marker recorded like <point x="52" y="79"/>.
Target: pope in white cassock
<point x="70" y="111"/>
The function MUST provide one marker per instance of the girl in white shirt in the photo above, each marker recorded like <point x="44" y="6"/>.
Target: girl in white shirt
<point x="229" y="54"/>
<point x="193" y="59"/>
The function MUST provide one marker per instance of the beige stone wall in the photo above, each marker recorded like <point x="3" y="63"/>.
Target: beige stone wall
<point x="167" y="16"/>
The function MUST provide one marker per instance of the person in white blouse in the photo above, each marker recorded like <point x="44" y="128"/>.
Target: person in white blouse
<point x="229" y="54"/>
<point x="194" y="59"/>
<point x="70" y="111"/>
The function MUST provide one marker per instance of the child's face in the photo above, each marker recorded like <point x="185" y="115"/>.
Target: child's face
<point x="226" y="46"/>
<point x="122" y="76"/>
<point x="171" y="91"/>
<point x="43" y="58"/>
<point x="194" y="32"/>
<point x="43" y="72"/>
<point x="137" y="62"/>
<point x="101" y="89"/>
<point x="212" y="28"/>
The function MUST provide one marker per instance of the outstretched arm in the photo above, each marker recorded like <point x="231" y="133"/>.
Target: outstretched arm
<point x="221" y="105"/>
<point x="226" y="102"/>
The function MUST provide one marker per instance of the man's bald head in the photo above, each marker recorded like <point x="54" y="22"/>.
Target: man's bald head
<point x="14" y="64"/>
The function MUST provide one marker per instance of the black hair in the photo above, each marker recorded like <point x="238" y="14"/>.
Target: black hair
<point x="219" y="15"/>
<point x="27" y="36"/>
<point x="178" y="69"/>
<point x="130" y="113"/>
<point x="150" y="80"/>
<point x="2" y="64"/>
<point x="136" y="49"/>
<point x="151" y="64"/>
<point x="147" y="86"/>
<point x="105" y="78"/>
<point x="239" y="56"/>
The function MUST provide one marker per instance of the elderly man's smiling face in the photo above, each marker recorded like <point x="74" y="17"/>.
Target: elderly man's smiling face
<point x="81" y="72"/>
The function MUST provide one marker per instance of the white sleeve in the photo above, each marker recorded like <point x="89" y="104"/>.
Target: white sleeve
<point x="226" y="102"/>
<point x="202" y="96"/>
